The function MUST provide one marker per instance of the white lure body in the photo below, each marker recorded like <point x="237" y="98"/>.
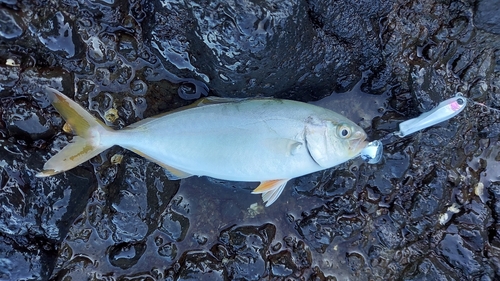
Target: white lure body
<point x="442" y="112"/>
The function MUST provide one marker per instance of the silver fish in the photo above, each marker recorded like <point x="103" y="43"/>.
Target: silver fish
<point x="263" y="140"/>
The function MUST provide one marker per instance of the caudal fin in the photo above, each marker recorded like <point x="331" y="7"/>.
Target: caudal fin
<point x="85" y="145"/>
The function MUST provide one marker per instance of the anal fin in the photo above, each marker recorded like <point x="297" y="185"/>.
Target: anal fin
<point x="172" y="173"/>
<point x="270" y="190"/>
<point x="175" y="174"/>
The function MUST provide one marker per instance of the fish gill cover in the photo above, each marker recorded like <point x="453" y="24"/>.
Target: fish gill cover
<point x="429" y="211"/>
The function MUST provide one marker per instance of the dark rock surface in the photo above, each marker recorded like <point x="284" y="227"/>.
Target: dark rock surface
<point x="486" y="16"/>
<point x="429" y="211"/>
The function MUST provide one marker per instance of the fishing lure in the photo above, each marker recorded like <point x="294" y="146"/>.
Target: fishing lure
<point x="445" y="110"/>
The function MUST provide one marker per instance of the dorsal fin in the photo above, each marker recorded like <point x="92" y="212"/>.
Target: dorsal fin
<point x="198" y="103"/>
<point x="216" y="100"/>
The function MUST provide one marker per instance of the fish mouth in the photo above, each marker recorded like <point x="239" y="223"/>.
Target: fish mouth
<point x="358" y="143"/>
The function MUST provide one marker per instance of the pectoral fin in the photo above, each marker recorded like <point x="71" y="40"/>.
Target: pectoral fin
<point x="270" y="190"/>
<point x="283" y="146"/>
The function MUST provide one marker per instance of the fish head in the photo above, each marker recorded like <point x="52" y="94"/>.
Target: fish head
<point x="346" y="140"/>
<point x="332" y="142"/>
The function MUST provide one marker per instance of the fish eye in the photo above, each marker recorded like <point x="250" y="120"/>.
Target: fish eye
<point x="344" y="131"/>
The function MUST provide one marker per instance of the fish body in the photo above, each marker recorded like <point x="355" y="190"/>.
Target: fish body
<point x="266" y="140"/>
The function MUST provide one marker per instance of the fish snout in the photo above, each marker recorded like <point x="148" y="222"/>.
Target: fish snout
<point x="358" y="142"/>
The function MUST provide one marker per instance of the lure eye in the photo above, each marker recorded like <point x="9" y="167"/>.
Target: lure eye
<point x="344" y="131"/>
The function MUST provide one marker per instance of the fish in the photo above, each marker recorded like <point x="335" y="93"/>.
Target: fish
<point x="262" y="140"/>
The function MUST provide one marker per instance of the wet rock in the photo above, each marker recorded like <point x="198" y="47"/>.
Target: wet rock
<point x="356" y="262"/>
<point x="20" y="261"/>
<point x="117" y="224"/>
<point x="237" y="41"/>
<point x="174" y="225"/>
<point x="169" y="251"/>
<point x="10" y="26"/>
<point x="199" y="266"/>
<point x="486" y="17"/>
<point x="244" y="250"/>
<point x="301" y="254"/>
<point x="8" y="76"/>
<point x="396" y="165"/>
<point x="323" y="224"/>
<point x="458" y="255"/>
<point x="35" y="215"/>
<point x="24" y="121"/>
<point x="130" y="207"/>
<point x="281" y="264"/>
<point x="58" y="35"/>
<point x="388" y="233"/>
<point x="425" y="270"/>
<point x="358" y="221"/>
<point x="126" y="255"/>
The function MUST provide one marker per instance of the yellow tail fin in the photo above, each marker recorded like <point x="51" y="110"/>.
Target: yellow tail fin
<point x="84" y="146"/>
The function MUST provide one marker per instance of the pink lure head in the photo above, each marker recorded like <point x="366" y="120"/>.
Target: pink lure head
<point x="455" y="106"/>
